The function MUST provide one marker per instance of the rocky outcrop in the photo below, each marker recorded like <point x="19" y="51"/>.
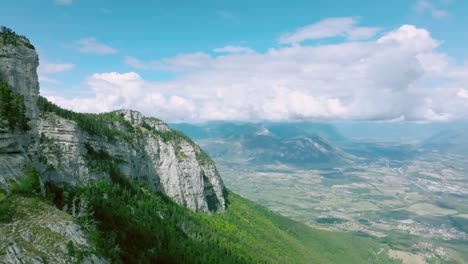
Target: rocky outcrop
<point x="170" y="166"/>
<point x="40" y="233"/>
<point x="18" y="67"/>
<point x="63" y="151"/>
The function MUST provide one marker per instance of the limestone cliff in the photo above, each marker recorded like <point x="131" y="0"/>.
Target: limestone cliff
<point x="143" y="148"/>
<point x="18" y="67"/>
<point x="172" y="166"/>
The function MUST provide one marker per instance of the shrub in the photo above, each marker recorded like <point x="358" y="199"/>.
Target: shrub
<point x="12" y="108"/>
<point x="29" y="184"/>
<point x="6" y="208"/>
<point x="9" y="37"/>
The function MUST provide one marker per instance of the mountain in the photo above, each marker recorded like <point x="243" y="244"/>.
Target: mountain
<point x="282" y="130"/>
<point x="119" y="187"/>
<point x="450" y="141"/>
<point x="297" y="144"/>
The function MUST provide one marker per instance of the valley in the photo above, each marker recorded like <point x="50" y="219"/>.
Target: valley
<point x="426" y="199"/>
<point x="409" y="196"/>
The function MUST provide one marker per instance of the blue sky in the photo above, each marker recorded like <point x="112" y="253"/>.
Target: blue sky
<point x="166" y="58"/>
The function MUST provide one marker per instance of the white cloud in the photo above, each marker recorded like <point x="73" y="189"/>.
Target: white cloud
<point x="46" y="68"/>
<point x="233" y="49"/>
<point x="463" y="94"/>
<point x="91" y="45"/>
<point x="330" y="27"/>
<point x="400" y="76"/>
<point x="63" y="2"/>
<point x="423" y="6"/>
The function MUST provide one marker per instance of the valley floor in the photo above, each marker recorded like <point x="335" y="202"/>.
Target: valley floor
<point x="419" y="206"/>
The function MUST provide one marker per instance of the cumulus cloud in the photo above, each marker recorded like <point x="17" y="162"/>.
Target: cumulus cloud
<point x="400" y="76"/>
<point x="91" y="45"/>
<point x="330" y="27"/>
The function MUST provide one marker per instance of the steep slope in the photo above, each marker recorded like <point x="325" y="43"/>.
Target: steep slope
<point x="130" y="224"/>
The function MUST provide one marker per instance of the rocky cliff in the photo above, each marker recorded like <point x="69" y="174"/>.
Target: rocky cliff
<point x="67" y="149"/>
<point x="18" y="68"/>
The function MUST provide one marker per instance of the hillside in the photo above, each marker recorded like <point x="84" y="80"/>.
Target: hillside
<point x="126" y="223"/>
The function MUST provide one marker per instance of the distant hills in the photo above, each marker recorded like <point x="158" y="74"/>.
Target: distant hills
<point x="454" y="141"/>
<point x="296" y="144"/>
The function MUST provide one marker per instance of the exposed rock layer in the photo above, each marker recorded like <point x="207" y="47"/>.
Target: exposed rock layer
<point x="40" y="233"/>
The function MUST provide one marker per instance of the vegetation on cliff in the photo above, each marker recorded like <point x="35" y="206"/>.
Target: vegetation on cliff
<point x="12" y="109"/>
<point x="113" y="126"/>
<point x="9" y="37"/>
<point x="93" y="124"/>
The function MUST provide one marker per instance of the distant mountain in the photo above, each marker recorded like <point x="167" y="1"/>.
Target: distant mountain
<point x="454" y="141"/>
<point x="297" y="144"/>
<point x="283" y="130"/>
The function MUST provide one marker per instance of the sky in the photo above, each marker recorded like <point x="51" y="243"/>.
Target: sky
<point x="191" y="61"/>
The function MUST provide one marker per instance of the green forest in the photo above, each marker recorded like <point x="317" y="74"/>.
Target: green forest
<point x="9" y="37"/>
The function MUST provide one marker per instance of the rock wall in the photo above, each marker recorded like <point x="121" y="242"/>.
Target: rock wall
<point x="18" y="67"/>
<point x="171" y="167"/>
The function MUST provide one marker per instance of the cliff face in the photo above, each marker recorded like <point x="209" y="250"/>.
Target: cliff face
<point x="18" y="65"/>
<point x="64" y="151"/>
<point x="170" y="166"/>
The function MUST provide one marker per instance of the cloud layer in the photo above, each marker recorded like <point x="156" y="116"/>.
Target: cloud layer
<point x="400" y="75"/>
